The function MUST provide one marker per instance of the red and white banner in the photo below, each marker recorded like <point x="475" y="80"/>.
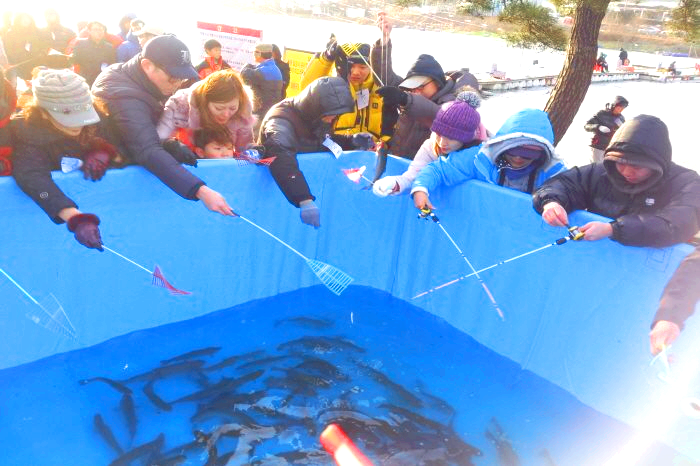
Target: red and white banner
<point x="237" y="44"/>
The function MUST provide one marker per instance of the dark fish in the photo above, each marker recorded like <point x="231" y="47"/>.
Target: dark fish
<point x="167" y="371"/>
<point x="192" y="354"/>
<point x="121" y="388"/>
<point x="224" y="385"/>
<point x="320" y="367"/>
<point x="225" y="404"/>
<point x="146" y="450"/>
<point x="149" y="391"/>
<point x="233" y="360"/>
<point x="325" y="344"/>
<point x="308" y="322"/>
<point x="129" y="411"/>
<point x="263" y="362"/>
<point x="303" y="378"/>
<point x="506" y="454"/>
<point x="107" y="434"/>
<point x="379" y="170"/>
<point x="438" y="403"/>
<point x="384" y="380"/>
<point x="415" y="417"/>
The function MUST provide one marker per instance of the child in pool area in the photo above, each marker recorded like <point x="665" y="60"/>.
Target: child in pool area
<point x="212" y="144"/>
<point x="457" y="125"/>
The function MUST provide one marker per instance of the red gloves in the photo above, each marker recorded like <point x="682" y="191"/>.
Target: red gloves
<point x="84" y="226"/>
<point x="95" y="164"/>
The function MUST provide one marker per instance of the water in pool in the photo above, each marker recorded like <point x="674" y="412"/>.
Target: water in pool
<point x="257" y="383"/>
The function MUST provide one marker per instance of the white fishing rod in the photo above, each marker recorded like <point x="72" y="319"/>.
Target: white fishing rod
<point x="574" y="235"/>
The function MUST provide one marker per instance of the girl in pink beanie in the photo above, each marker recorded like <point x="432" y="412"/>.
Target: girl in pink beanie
<point x="457" y="125"/>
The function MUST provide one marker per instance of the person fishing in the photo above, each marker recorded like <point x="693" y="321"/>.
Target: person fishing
<point x="457" y="126"/>
<point x="519" y="156"/>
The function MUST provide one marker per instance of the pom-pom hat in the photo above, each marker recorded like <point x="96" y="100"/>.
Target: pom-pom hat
<point x="458" y="120"/>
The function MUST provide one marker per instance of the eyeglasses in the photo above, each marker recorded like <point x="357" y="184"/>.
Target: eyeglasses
<point x="171" y="79"/>
<point x="421" y="87"/>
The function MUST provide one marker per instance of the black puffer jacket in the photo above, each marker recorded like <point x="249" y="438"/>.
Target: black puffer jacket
<point x="659" y="212"/>
<point x="134" y="106"/>
<point x="416" y="118"/>
<point x="38" y="150"/>
<point x="603" y="118"/>
<point x="682" y="292"/>
<point x="294" y="125"/>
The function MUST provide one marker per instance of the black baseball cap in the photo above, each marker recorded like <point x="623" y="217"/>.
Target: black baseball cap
<point x="171" y="54"/>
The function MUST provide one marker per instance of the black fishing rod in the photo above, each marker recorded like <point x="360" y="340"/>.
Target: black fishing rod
<point x="574" y="234"/>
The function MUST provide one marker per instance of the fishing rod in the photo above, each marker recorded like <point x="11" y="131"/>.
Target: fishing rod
<point x="427" y="213"/>
<point x="574" y="234"/>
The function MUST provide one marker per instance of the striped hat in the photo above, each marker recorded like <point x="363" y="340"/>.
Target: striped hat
<point x="66" y="96"/>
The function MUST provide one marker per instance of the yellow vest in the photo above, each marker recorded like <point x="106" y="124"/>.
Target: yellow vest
<point x="366" y="120"/>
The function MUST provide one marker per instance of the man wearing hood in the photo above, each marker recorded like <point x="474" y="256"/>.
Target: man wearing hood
<point x="653" y="202"/>
<point x="520" y="156"/>
<point x="419" y="95"/>
<point x="369" y="117"/>
<point x="300" y="124"/>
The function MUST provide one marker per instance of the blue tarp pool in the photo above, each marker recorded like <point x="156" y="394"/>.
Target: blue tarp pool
<point x="576" y="315"/>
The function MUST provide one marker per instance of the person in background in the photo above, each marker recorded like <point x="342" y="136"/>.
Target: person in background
<point x="130" y="47"/>
<point x="212" y="144"/>
<point x="133" y="94"/>
<point x="212" y="61"/>
<point x="283" y="67"/>
<point x="300" y="124"/>
<point x="265" y="79"/>
<point x="84" y="33"/>
<point x="26" y="46"/>
<point x="218" y="103"/>
<point x="677" y="303"/>
<point x="519" y="156"/>
<point x="8" y="104"/>
<point x="59" y="34"/>
<point x="653" y="202"/>
<point x="418" y="96"/>
<point x="91" y="55"/>
<point x="148" y="32"/>
<point x="59" y="126"/>
<point x="370" y="117"/>
<point x="602" y="63"/>
<point x="456" y="126"/>
<point x="603" y="126"/>
<point x="623" y="56"/>
<point x="125" y="25"/>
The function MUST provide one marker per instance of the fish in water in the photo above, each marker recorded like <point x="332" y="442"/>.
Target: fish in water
<point x="384" y="380"/>
<point x="224" y="385"/>
<point x="504" y="448"/>
<point x="307" y="322"/>
<point x="324" y="344"/>
<point x="321" y="367"/>
<point x="151" y="394"/>
<point x="231" y="360"/>
<point x="106" y="433"/>
<point x="169" y="370"/>
<point x="148" y="450"/>
<point x="129" y="411"/>
<point x="193" y="354"/>
<point x="121" y="388"/>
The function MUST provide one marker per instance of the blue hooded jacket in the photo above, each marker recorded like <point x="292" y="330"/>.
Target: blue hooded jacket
<point x="530" y="126"/>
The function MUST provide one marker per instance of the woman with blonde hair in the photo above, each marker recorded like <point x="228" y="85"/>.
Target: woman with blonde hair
<point x="218" y="103"/>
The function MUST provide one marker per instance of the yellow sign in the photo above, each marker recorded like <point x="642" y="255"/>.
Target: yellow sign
<point x="297" y="59"/>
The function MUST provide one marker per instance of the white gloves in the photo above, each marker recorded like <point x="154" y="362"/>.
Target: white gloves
<point x="603" y="129"/>
<point x="385" y="186"/>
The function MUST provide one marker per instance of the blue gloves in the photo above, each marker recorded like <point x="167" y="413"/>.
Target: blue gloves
<point x="310" y="213"/>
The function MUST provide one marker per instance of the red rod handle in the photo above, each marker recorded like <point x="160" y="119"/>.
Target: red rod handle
<point x="344" y="452"/>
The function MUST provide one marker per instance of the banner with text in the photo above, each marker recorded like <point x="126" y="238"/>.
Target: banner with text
<point x="297" y="59"/>
<point x="237" y="44"/>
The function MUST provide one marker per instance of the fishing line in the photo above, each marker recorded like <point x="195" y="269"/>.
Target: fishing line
<point x="427" y="213"/>
<point x="574" y="235"/>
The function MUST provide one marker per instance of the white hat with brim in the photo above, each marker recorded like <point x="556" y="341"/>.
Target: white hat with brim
<point x="66" y="97"/>
<point x="415" y="81"/>
<point x="149" y="29"/>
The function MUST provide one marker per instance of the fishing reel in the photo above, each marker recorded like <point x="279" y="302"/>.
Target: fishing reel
<point x="426" y="214"/>
<point x="575" y="234"/>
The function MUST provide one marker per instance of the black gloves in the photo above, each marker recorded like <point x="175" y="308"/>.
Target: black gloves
<point x="332" y="51"/>
<point x="95" y="164"/>
<point x="84" y="226"/>
<point x="393" y="96"/>
<point x="180" y="152"/>
<point x="362" y="141"/>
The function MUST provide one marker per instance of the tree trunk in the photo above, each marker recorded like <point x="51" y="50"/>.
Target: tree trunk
<point x="575" y="77"/>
